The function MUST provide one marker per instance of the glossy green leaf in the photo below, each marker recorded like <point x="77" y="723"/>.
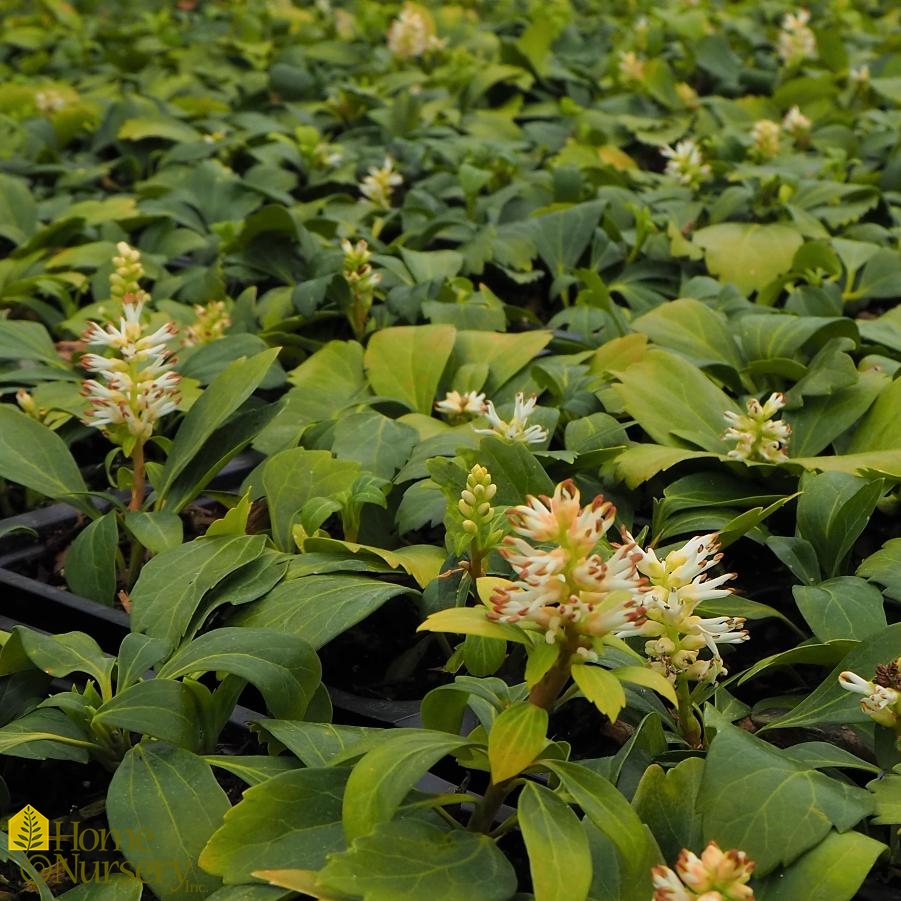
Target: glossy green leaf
<point x="314" y="744"/>
<point x="159" y="708"/>
<point x="291" y="820"/>
<point x="385" y="775"/>
<point x="47" y="468"/>
<point x="172" y="794"/>
<point x="293" y="477"/>
<point x="219" y="401"/>
<point x="157" y="532"/>
<point x="518" y="735"/>
<point x="406" y="363"/>
<point x="670" y="398"/>
<point x="605" y="807"/>
<point x="878" y="430"/>
<point x="173" y="585"/>
<point x="559" y="859"/>
<point x="379" y="444"/>
<point x="252" y="769"/>
<point x="602" y="688"/>
<point x="318" y="608"/>
<point x="513" y="469"/>
<point x="110" y="888"/>
<point x="56" y="655"/>
<point x="844" y="607"/>
<point x="829" y="702"/>
<point x="46" y="734"/>
<point x="834" y="869"/>
<point x="749" y="255"/>
<point x="411" y="861"/>
<point x="283" y="667"/>
<point x="752" y="797"/>
<point x="505" y="354"/>
<point x="833" y="510"/>
<point x="91" y="562"/>
<point x="885" y="567"/>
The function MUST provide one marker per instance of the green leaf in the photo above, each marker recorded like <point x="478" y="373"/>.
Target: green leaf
<point x="752" y="797"/>
<point x="406" y="362"/>
<point x="483" y="656"/>
<point x="748" y="255"/>
<point x="559" y="858"/>
<point x="18" y="210"/>
<point x="221" y="398"/>
<point x="293" y="477"/>
<point x="879" y="277"/>
<point x="472" y="621"/>
<point x="48" y="468"/>
<point x="291" y="820"/>
<point x="878" y="430"/>
<point x="283" y="667"/>
<point x="665" y="800"/>
<point x="379" y="444"/>
<point x="56" y="655"/>
<point x="45" y="735"/>
<point x="112" y="888"/>
<point x="172" y="586"/>
<point x="518" y="735"/>
<point x="157" y="532"/>
<point x="646" y="678"/>
<point x="252" y="769"/>
<point x="159" y="707"/>
<point x="834" y="869"/>
<point x="23" y="340"/>
<point x="254" y="892"/>
<point x="513" y="469"/>
<point x="602" y="688"/>
<point x="388" y="773"/>
<point x="691" y="328"/>
<point x="165" y="129"/>
<point x="844" y="607"/>
<point x="833" y="510"/>
<point x="173" y="795"/>
<point x="411" y="861"/>
<point x="604" y="806"/>
<point x="505" y="354"/>
<point x="137" y="654"/>
<point x="829" y="702"/>
<point x="561" y="237"/>
<point x="318" y="608"/>
<point x="314" y="744"/>
<point x="91" y="562"/>
<point x="887" y="797"/>
<point x="671" y="398"/>
<point x="426" y="266"/>
<point x="885" y="567"/>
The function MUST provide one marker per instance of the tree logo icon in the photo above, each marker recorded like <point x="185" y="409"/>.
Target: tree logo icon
<point x="29" y="830"/>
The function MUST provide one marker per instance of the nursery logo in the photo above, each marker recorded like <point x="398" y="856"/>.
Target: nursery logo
<point x="29" y="830"/>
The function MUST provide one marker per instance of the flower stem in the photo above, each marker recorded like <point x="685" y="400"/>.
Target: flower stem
<point x="138" y="479"/>
<point x="482" y="818"/>
<point x="688" y="722"/>
<point x="545" y="692"/>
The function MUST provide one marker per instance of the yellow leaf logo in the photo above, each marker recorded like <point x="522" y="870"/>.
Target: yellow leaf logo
<point x="29" y="830"/>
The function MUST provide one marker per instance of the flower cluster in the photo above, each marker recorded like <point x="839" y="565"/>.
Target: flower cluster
<point x="677" y="585"/>
<point x="49" y="101"/>
<point x="210" y="323"/>
<point x="137" y="385"/>
<point x="517" y="429"/>
<point x="765" y="139"/>
<point x="412" y="33"/>
<point x="564" y="584"/>
<point x="796" y="41"/>
<point x="686" y="164"/>
<point x="475" y="508"/>
<point x="378" y="186"/>
<point x="759" y="436"/>
<point x="881" y="698"/>
<point x="631" y="67"/>
<point x="714" y="876"/>
<point x="796" y="125"/>
<point x="458" y="407"/>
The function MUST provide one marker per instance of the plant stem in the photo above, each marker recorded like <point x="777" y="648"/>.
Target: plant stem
<point x="688" y="722"/>
<point x="482" y="818"/>
<point x="545" y="692"/>
<point x="137" y="485"/>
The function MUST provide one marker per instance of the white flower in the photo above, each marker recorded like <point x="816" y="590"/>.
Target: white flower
<point x="796" y="123"/>
<point x="379" y="184"/>
<point x="881" y="698"/>
<point x="765" y="139"/>
<point x="456" y="404"/>
<point x="759" y="436"/>
<point x="714" y="876"/>
<point x="412" y="33"/>
<point x="796" y="41"/>
<point x="567" y="586"/>
<point x="517" y="429"/>
<point x="686" y="164"/>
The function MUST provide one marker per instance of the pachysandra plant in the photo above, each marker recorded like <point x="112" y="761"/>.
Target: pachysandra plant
<point x="362" y="281"/>
<point x="474" y="527"/>
<point x="136" y="385"/>
<point x="716" y="875"/>
<point x="758" y="436"/>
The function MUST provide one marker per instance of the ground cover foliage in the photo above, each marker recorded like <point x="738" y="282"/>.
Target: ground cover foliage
<point x="564" y="339"/>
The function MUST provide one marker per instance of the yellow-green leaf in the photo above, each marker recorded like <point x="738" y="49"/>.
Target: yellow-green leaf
<point x="602" y="688"/>
<point x="518" y="735"/>
<point x="647" y="678"/>
<point x="471" y="621"/>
